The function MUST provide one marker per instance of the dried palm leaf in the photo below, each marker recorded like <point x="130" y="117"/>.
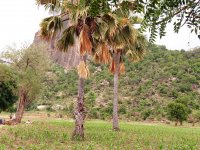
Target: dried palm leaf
<point x="97" y="58"/>
<point x="83" y="70"/>
<point x="106" y="57"/>
<point x="122" y="68"/>
<point x="85" y="43"/>
<point x="112" y="67"/>
<point x="123" y="21"/>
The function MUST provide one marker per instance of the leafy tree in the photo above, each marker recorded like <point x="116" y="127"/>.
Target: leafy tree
<point x="7" y="88"/>
<point x="157" y="14"/>
<point x="177" y="112"/>
<point x="29" y="64"/>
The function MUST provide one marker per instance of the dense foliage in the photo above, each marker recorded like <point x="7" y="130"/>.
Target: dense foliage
<point x="29" y="65"/>
<point x="177" y="112"/>
<point x="7" y="95"/>
<point x="157" y="14"/>
<point x="145" y="90"/>
<point x="7" y="88"/>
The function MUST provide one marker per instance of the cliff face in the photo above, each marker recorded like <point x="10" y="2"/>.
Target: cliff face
<point x="69" y="59"/>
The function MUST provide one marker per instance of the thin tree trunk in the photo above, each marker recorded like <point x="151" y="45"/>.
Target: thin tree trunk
<point x="193" y="123"/>
<point x="21" y="107"/>
<point x="176" y="123"/>
<point x="181" y="123"/>
<point x="115" y="102"/>
<point x="79" y="112"/>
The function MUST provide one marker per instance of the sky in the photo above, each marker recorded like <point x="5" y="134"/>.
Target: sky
<point x="19" y="21"/>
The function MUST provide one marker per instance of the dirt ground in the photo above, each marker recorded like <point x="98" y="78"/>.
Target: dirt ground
<point x="37" y="115"/>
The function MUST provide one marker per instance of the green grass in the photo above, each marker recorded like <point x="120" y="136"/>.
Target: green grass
<point x="56" y="135"/>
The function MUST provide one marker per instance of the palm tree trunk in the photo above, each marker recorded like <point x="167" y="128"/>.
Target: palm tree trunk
<point x="21" y="107"/>
<point x="115" y="102"/>
<point x="80" y="111"/>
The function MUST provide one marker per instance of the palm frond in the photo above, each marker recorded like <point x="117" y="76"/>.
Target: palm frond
<point x="55" y="24"/>
<point x="85" y="43"/>
<point x="119" y="32"/>
<point x="49" y="28"/>
<point x="125" y="8"/>
<point x="102" y="54"/>
<point x="138" y="49"/>
<point x="76" y="10"/>
<point x="111" y="22"/>
<point x="44" y="32"/>
<point x="123" y="37"/>
<point x="67" y="38"/>
<point x="51" y="5"/>
<point x="44" y="2"/>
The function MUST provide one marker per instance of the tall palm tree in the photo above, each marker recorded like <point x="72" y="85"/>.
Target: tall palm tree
<point x="75" y="31"/>
<point x="118" y="40"/>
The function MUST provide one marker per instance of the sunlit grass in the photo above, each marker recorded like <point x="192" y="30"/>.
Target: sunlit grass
<point x="56" y="135"/>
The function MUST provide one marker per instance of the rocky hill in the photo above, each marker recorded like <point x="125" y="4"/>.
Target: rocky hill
<point x="144" y="90"/>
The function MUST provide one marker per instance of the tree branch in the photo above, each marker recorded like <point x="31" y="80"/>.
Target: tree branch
<point x="167" y="18"/>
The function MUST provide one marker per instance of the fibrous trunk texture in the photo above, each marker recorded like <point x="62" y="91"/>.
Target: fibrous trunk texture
<point x="115" y="102"/>
<point x="80" y="111"/>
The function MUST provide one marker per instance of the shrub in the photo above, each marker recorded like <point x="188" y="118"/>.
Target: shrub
<point x="94" y="113"/>
<point x="145" y="114"/>
<point x="177" y="112"/>
<point x="122" y="109"/>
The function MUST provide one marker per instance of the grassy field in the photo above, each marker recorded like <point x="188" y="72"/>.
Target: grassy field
<point x="56" y="134"/>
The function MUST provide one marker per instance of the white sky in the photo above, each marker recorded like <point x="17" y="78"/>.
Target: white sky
<point x="19" y="20"/>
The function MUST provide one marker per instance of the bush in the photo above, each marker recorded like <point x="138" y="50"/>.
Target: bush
<point x="194" y="117"/>
<point x="184" y="87"/>
<point x="145" y="114"/>
<point x="94" y="113"/>
<point x="7" y="95"/>
<point x="122" y="109"/>
<point x="90" y="99"/>
<point x="177" y="112"/>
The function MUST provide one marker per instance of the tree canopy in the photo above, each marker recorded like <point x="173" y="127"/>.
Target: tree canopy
<point x="29" y="65"/>
<point x="156" y="14"/>
<point x="177" y="112"/>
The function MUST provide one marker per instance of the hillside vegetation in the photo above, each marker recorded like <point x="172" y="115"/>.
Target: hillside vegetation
<point x="145" y="89"/>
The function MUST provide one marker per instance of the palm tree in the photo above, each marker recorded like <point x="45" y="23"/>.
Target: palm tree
<point x="75" y="31"/>
<point x="98" y="31"/>
<point x="118" y="40"/>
